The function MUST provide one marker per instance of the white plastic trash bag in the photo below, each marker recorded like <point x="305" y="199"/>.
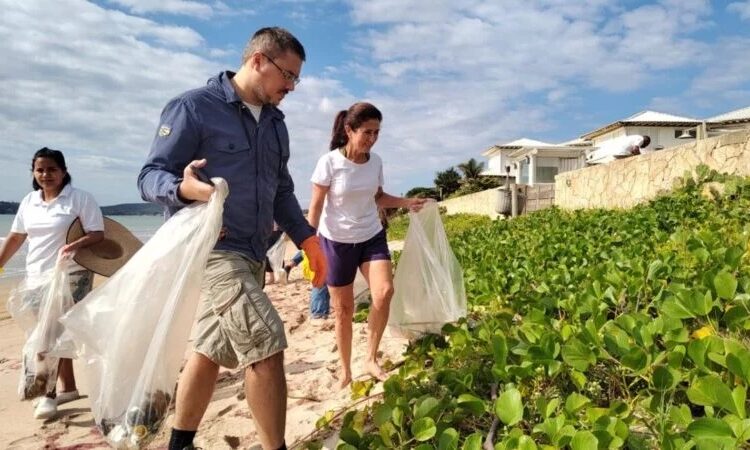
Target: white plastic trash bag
<point x="133" y="330"/>
<point x="36" y="307"/>
<point x="275" y="256"/>
<point x="428" y="285"/>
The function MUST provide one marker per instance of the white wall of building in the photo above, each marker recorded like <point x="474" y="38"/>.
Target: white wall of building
<point x="660" y="136"/>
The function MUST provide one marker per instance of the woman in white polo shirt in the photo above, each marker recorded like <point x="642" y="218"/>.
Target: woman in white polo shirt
<point x="44" y="217"/>
<point x="346" y="193"/>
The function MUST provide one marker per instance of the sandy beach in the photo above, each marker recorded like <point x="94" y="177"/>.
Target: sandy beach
<point x="310" y="361"/>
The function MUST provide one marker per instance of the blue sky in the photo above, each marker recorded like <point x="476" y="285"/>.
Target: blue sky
<point x="452" y="77"/>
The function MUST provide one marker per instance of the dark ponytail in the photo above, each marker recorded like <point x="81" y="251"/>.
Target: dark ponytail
<point x="59" y="159"/>
<point x="338" y="135"/>
<point x="357" y="114"/>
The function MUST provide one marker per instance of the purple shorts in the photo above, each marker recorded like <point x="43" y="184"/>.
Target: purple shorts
<point x="344" y="259"/>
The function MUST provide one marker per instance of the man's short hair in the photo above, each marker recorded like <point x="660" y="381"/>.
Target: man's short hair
<point x="645" y="142"/>
<point x="273" y="41"/>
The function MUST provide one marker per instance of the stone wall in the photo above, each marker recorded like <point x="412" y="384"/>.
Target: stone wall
<point x="626" y="182"/>
<point x="478" y="203"/>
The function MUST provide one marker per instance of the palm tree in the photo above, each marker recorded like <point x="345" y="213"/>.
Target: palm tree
<point x="471" y="169"/>
<point x="447" y="182"/>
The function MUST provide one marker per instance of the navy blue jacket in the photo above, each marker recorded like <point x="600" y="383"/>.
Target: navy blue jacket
<point x="212" y="122"/>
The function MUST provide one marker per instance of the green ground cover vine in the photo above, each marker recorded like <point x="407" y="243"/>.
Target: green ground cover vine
<point x="586" y="330"/>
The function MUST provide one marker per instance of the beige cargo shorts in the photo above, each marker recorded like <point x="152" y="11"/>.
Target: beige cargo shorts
<point x="237" y="325"/>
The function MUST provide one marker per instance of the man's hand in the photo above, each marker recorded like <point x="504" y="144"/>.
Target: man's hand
<point x="317" y="260"/>
<point x="191" y="188"/>
<point x="416" y="204"/>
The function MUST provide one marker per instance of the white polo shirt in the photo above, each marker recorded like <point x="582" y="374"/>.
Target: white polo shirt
<point x="46" y="226"/>
<point x="350" y="214"/>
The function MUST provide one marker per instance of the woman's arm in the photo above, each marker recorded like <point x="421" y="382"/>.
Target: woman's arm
<point x="12" y="243"/>
<point x="384" y="200"/>
<point x="316" y="204"/>
<point x="90" y="238"/>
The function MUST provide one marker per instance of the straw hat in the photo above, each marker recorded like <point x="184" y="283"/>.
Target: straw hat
<point x="108" y="255"/>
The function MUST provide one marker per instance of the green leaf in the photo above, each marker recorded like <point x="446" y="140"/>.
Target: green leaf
<point x="473" y="442"/>
<point x="500" y="350"/>
<point x="709" y="427"/>
<point x="681" y="415"/>
<point x="725" y="284"/>
<point x="448" y="439"/>
<point x="738" y="362"/>
<point x="739" y="395"/>
<point x="674" y="308"/>
<point x="345" y="446"/>
<point x="423" y="429"/>
<point x="350" y="436"/>
<point x="636" y="359"/>
<point x="509" y="407"/>
<point x="472" y="403"/>
<point x="526" y="443"/>
<point x="578" y="355"/>
<point x="575" y="402"/>
<point x="584" y="440"/>
<point x="426" y="407"/>
<point x="386" y="431"/>
<point x="663" y="378"/>
<point x="382" y="414"/>
<point x="711" y="391"/>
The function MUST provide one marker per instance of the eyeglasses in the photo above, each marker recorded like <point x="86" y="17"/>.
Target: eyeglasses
<point x="288" y="76"/>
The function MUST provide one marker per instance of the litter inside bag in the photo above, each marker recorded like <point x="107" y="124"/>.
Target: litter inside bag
<point x="36" y="307"/>
<point x="428" y="285"/>
<point x="275" y="256"/>
<point x="133" y="330"/>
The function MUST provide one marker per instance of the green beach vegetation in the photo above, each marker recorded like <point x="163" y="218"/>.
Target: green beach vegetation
<point x="586" y="330"/>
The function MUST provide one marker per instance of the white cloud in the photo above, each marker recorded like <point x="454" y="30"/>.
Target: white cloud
<point x="183" y="7"/>
<point x="92" y="86"/>
<point x="741" y="8"/>
<point x="451" y="79"/>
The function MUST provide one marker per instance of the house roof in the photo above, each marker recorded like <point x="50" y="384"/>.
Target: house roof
<point x="645" y="118"/>
<point x="514" y="145"/>
<point x="738" y="115"/>
<point x="577" y="142"/>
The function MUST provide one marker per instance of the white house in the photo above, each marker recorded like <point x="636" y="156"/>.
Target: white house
<point x="529" y="161"/>
<point x="727" y="122"/>
<point x="665" y="130"/>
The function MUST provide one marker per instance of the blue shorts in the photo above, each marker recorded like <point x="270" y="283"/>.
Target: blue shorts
<point x="344" y="259"/>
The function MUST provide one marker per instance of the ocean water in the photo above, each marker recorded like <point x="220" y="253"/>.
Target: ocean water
<point x="143" y="227"/>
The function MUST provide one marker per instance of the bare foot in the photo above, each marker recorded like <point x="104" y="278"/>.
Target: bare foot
<point x="376" y="371"/>
<point x="344" y="381"/>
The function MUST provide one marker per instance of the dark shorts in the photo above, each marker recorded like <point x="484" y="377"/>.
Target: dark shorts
<point x="344" y="259"/>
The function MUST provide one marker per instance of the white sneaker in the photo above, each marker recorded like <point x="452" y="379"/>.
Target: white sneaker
<point x="65" y="397"/>
<point x="46" y="408"/>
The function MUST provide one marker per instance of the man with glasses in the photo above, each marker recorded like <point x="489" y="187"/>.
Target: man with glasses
<point x="231" y="129"/>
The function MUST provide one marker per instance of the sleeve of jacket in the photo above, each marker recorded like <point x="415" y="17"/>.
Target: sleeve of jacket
<point x="286" y="210"/>
<point x="175" y="145"/>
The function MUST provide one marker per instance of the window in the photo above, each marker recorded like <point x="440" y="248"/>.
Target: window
<point x="523" y="177"/>
<point x="545" y="174"/>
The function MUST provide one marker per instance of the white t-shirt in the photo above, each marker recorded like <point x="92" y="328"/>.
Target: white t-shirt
<point x="350" y="214"/>
<point x="46" y="226"/>
<point x="254" y="110"/>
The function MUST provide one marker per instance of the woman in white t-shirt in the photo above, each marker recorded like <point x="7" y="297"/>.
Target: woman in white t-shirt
<point x="346" y="193"/>
<point x="44" y="217"/>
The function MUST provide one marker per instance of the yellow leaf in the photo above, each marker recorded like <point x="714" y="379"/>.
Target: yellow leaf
<point x="703" y="332"/>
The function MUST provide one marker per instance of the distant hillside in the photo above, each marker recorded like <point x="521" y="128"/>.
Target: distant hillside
<point x="125" y="209"/>
<point x="8" y="207"/>
<point x="132" y="209"/>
